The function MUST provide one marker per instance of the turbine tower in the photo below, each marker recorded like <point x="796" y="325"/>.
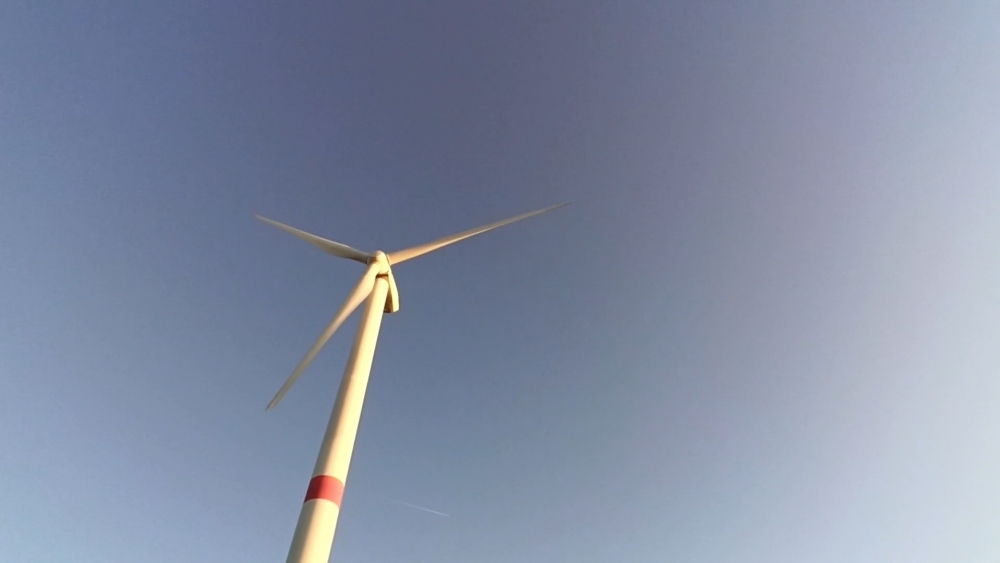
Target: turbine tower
<point x="317" y="523"/>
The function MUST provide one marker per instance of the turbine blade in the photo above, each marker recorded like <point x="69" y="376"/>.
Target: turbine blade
<point x="404" y="255"/>
<point x="328" y="246"/>
<point x="357" y="297"/>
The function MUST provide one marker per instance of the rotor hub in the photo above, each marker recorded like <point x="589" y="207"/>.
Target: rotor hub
<point x="381" y="259"/>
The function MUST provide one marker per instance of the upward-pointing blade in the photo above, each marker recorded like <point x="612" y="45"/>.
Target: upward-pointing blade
<point x="328" y="246"/>
<point x="357" y="297"/>
<point x="404" y="255"/>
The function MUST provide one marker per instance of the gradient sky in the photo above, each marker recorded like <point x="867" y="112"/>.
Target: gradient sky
<point x="767" y="329"/>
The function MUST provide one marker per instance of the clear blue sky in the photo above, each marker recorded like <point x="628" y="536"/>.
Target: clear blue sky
<point x="767" y="329"/>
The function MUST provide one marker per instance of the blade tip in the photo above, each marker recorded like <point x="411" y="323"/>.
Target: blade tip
<point x="274" y="401"/>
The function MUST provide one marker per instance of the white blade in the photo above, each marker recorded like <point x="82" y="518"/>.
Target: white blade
<point x="328" y="246"/>
<point x="357" y="297"/>
<point x="404" y="255"/>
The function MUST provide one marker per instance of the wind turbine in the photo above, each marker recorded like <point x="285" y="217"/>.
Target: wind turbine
<point x="317" y="523"/>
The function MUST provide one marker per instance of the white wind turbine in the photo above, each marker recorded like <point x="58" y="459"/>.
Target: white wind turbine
<point x="317" y="523"/>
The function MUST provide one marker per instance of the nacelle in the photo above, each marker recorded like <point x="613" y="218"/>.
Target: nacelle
<point x="392" y="297"/>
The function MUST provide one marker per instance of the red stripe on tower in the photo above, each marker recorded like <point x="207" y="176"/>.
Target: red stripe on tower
<point x="325" y="487"/>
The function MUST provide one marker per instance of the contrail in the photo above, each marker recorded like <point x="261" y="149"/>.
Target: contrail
<point x="422" y="508"/>
<point x="418" y="507"/>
